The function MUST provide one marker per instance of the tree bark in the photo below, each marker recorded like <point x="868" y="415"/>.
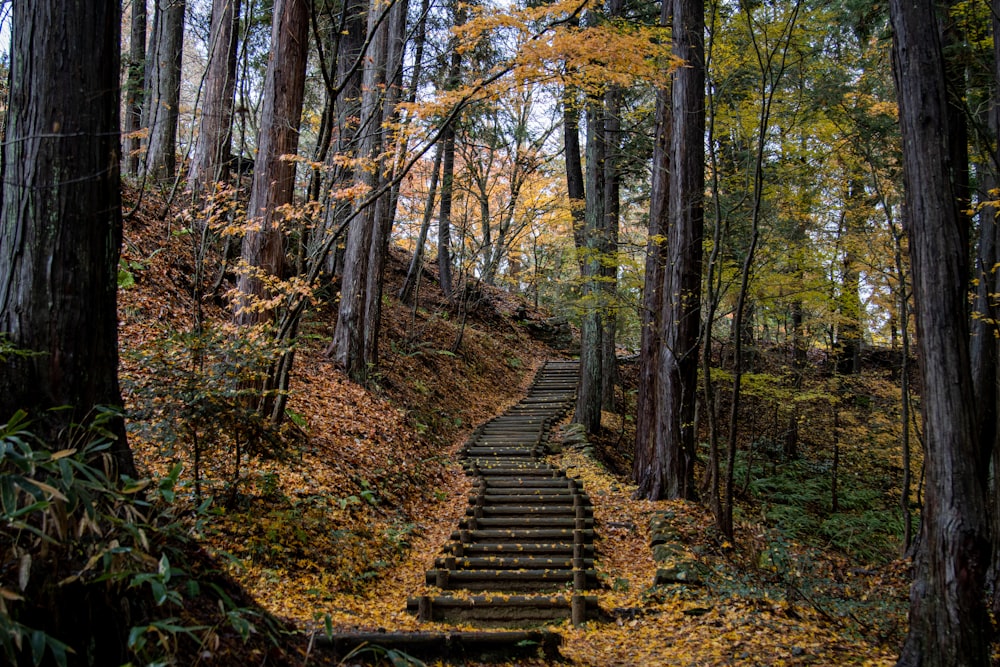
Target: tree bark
<point x="986" y="359"/>
<point x="849" y="304"/>
<point x="448" y="169"/>
<point x="575" y="188"/>
<point x="163" y="88"/>
<point x="385" y="208"/>
<point x="354" y="340"/>
<point x="60" y="219"/>
<point x="609" y="231"/>
<point x="670" y="471"/>
<point x="416" y="263"/>
<point x="444" y="213"/>
<point x="134" y="85"/>
<point x="651" y="314"/>
<point x="948" y="620"/>
<point x="588" y="400"/>
<point x="274" y="178"/>
<point x="210" y="159"/>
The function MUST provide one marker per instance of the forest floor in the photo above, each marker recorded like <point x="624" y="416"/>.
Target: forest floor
<point x="333" y="524"/>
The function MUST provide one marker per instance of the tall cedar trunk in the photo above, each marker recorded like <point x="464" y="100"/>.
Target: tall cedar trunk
<point x="210" y="160"/>
<point x="588" y="399"/>
<point x="575" y="189"/>
<point x="60" y="218"/>
<point x="385" y="208"/>
<point x="609" y="236"/>
<point x="669" y="473"/>
<point x="163" y="88"/>
<point x="988" y="416"/>
<point x="345" y="103"/>
<point x="348" y="345"/>
<point x="134" y="85"/>
<point x="609" y="247"/>
<point x="650" y="316"/>
<point x="948" y="620"/>
<point x="274" y="178"/>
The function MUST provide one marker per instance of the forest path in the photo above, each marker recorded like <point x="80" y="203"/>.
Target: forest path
<point x="527" y="541"/>
<point x="523" y="555"/>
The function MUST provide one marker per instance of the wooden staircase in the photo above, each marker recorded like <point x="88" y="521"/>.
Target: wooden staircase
<point x="527" y="541"/>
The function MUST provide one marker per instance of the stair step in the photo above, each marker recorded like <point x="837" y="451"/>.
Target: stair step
<point x="565" y="511"/>
<point x="506" y="610"/>
<point x="511" y="580"/>
<point x="543" y="484"/>
<point x="511" y="562"/>
<point x="526" y="522"/>
<point x="498" y="548"/>
<point x="522" y="535"/>
<point x="568" y="497"/>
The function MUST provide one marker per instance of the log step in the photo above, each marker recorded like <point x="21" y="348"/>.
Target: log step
<point x="453" y="646"/>
<point x="522" y="535"/>
<point x="511" y="562"/>
<point x="568" y="497"/>
<point x="497" y="548"/>
<point x="512" y="580"/>
<point x="504" y="611"/>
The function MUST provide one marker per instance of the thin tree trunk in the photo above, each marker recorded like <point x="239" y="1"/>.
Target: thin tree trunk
<point x="417" y="262"/>
<point x="385" y="209"/>
<point x="448" y="168"/>
<point x="134" y="85"/>
<point x="588" y="401"/>
<point x="609" y="237"/>
<point x="575" y="188"/>
<point x="850" y="306"/>
<point x="444" y="214"/>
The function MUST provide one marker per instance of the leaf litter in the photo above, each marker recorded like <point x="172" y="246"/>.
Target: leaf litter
<point x="339" y="529"/>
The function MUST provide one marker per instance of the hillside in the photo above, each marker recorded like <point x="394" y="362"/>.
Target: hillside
<point x="331" y="523"/>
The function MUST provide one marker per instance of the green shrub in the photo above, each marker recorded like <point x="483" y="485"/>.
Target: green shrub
<point x="94" y="571"/>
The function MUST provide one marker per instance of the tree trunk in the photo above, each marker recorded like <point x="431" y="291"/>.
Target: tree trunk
<point x="588" y="398"/>
<point x="385" y="208"/>
<point x="163" y="88"/>
<point x="670" y="472"/>
<point x="353" y="346"/>
<point x="210" y="160"/>
<point x="609" y="235"/>
<point x="448" y="168"/>
<point x="651" y="314"/>
<point x="134" y="85"/>
<point x="987" y="361"/>
<point x="444" y="214"/>
<point x="274" y="178"/>
<point x="575" y="189"/>
<point x="948" y="620"/>
<point x="417" y="262"/>
<point x="344" y="99"/>
<point x="850" y="306"/>
<point x="60" y="219"/>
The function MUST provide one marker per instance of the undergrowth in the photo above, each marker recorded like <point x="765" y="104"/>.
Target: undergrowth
<point x="97" y="571"/>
